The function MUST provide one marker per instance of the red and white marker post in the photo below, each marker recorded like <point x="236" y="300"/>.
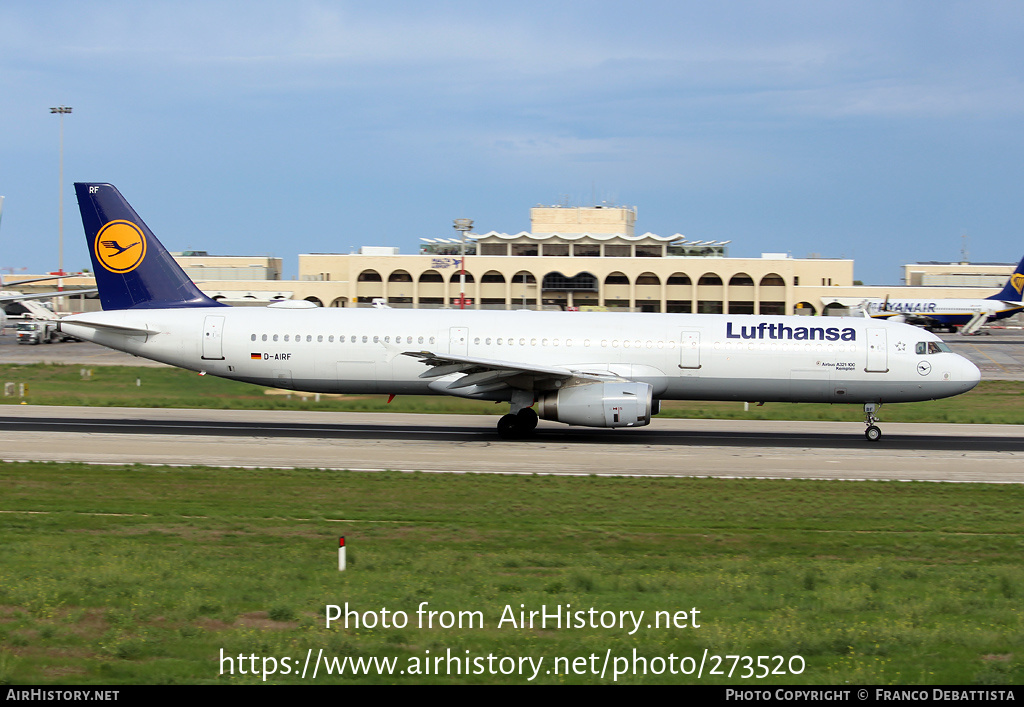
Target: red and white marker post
<point x="341" y="554"/>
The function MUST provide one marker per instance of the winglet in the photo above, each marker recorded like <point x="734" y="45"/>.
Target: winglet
<point x="133" y="270"/>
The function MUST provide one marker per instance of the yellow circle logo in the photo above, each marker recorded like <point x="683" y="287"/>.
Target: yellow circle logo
<point x="1017" y="282"/>
<point x="120" y="246"/>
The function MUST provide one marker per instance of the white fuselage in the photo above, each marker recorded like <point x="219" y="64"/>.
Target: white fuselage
<point x="682" y="356"/>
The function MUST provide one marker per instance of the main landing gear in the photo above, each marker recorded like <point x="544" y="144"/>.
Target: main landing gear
<point x="517" y="424"/>
<point x="873" y="432"/>
<point x="522" y="419"/>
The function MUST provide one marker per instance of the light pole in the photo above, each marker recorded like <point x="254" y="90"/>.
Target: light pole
<point x="463" y="226"/>
<point x="61" y="111"/>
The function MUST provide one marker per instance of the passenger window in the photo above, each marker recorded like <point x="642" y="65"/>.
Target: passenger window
<point x="376" y="339"/>
<point x="309" y="338"/>
<point x="431" y="340"/>
<point x="419" y="340"/>
<point x="320" y="338"/>
<point x="364" y="338"/>
<point x="275" y="337"/>
<point x="330" y="339"/>
<point x="252" y="338"/>
<point x="264" y="337"/>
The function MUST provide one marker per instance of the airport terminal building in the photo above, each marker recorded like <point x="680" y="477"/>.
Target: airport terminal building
<point x="572" y="258"/>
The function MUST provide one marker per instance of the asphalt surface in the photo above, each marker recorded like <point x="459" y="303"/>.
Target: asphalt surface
<point x="469" y="444"/>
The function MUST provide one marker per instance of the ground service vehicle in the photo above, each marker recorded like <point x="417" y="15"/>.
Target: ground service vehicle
<point x="37" y="332"/>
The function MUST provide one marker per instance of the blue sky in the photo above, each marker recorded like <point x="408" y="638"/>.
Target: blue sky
<point x="881" y="131"/>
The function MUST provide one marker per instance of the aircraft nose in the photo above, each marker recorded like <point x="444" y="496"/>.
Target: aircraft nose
<point x="969" y="373"/>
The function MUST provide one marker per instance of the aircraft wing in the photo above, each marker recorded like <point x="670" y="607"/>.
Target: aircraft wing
<point x="7" y="299"/>
<point x="491" y="374"/>
<point x="37" y="279"/>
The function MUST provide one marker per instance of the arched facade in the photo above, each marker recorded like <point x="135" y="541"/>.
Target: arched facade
<point x="652" y="283"/>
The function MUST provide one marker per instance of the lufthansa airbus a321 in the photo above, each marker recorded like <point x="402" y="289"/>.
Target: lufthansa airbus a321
<point x="593" y="369"/>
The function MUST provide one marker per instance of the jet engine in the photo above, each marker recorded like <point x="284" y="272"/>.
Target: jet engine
<point x="618" y="404"/>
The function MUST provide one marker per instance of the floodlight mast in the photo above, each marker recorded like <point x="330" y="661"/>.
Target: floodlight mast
<point x="463" y="226"/>
<point x="61" y="111"/>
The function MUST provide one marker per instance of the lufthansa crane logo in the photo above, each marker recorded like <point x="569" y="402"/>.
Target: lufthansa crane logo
<point x="120" y="246"/>
<point x="1017" y="283"/>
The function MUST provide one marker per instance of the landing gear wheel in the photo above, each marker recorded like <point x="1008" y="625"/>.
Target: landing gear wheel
<point x="873" y="433"/>
<point x="527" y="419"/>
<point x="508" y="426"/>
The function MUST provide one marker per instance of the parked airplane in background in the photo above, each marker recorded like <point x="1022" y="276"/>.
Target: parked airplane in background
<point x="938" y="314"/>
<point x="35" y="309"/>
<point x="595" y="369"/>
<point x="10" y="296"/>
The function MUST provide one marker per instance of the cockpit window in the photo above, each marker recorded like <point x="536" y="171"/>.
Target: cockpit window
<point x="932" y="347"/>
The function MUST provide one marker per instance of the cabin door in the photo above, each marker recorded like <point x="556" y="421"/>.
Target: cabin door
<point x="213" y="338"/>
<point x="689" y="353"/>
<point x="878" y="359"/>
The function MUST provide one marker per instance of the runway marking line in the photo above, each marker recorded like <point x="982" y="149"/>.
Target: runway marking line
<point x="1001" y="368"/>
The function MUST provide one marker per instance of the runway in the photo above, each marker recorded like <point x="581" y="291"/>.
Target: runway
<point x="469" y="444"/>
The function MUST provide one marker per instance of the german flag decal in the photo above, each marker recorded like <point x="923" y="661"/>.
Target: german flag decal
<point x="255" y="356"/>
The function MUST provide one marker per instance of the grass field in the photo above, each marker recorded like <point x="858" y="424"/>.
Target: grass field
<point x="993" y="402"/>
<point x="143" y="574"/>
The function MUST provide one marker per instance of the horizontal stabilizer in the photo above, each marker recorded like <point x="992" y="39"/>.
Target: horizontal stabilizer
<point x="103" y="326"/>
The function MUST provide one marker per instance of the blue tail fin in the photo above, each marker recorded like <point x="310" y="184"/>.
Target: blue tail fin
<point x="1012" y="292"/>
<point x="133" y="270"/>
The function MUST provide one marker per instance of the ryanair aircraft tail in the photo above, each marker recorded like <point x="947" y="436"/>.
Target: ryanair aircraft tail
<point x="1014" y="290"/>
<point x="133" y="270"/>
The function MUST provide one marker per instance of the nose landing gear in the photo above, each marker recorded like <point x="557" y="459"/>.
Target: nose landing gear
<point x="873" y="432"/>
